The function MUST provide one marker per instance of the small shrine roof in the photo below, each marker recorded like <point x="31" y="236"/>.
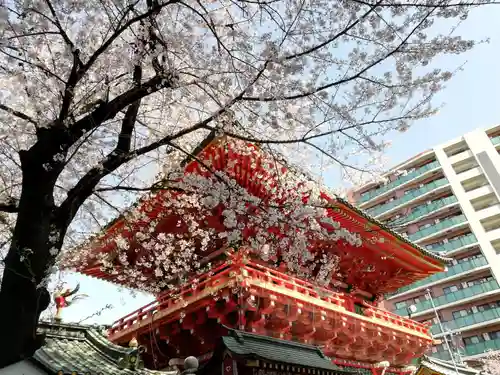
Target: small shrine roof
<point x="258" y="347"/>
<point x="72" y="348"/>
<point x="435" y="366"/>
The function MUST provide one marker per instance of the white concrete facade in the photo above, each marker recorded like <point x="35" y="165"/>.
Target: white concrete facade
<point x="471" y="166"/>
<point x="466" y="207"/>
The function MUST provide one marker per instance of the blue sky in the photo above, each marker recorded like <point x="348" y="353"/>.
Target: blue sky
<point x="471" y="100"/>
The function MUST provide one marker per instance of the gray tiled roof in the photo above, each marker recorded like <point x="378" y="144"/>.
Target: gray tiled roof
<point x="358" y="371"/>
<point x="278" y="351"/>
<point x="446" y="367"/>
<point x="83" y="349"/>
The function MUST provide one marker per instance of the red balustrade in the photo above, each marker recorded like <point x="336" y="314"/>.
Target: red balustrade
<point x="169" y="299"/>
<point x="387" y="316"/>
<point x="254" y="271"/>
<point x="303" y="287"/>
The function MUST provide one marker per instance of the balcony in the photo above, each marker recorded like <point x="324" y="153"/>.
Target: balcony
<point x="398" y="182"/>
<point x="454" y="244"/>
<point x="452" y="271"/>
<point x="473" y="291"/>
<point x="469" y="320"/>
<point x="472" y="350"/>
<point x="488" y="213"/>
<point x="493" y="235"/>
<point x="413" y="194"/>
<point x="425" y="209"/>
<point x="482" y="347"/>
<point x="433" y="229"/>
<point x="276" y="292"/>
<point x="442" y="354"/>
<point x="495" y="140"/>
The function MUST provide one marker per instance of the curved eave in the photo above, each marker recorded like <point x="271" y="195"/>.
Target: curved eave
<point x="411" y="246"/>
<point x="425" y="260"/>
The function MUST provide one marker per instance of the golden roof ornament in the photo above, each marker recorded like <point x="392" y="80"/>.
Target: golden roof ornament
<point x="133" y="343"/>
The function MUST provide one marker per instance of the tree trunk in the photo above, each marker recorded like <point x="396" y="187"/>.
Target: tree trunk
<point x="28" y="259"/>
<point x="22" y="305"/>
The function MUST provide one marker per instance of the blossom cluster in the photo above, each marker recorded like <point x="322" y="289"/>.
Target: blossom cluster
<point x="275" y="213"/>
<point x="326" y="83"/>
<point x="491" y="364"/>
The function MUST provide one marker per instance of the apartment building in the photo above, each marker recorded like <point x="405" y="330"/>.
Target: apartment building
<point x="447" y="200"/>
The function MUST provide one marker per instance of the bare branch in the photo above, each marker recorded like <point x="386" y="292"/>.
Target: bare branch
<point x="128" y="122"/>
<point x="63" y="33"/>
<point x="336" y="36"/>
<point x="18" y="114"/>
<point x="107" y="111"/>
<point x="343" y="80"/>
<point x="428" y="4"/>
<point x="119" y="31"/>
<point x="9" y="205"/>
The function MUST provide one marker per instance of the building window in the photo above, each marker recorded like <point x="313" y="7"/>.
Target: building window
<point x="473" y="340"/>
<point x="484" y="307"/>
<point x="488" y="306"/>
<point x="469" y="258"/>
<point x="494" y="335"/>
<point x="450" y="289"/>
<point x="460" y="313"/>
<point x="479" y="281"/>
<point x="438" y="348"/>
<point x="400" y="305"/>
<point x="424" y="226"/>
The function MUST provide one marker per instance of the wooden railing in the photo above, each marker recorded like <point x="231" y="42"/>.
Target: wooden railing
<point x="387" y="316"/>
<point x="303" y="287"/>
<point x="254" y="271"/>
<point x="169" y="299"/>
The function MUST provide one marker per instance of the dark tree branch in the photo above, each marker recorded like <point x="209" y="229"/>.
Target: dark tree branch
<point x="121" y="30"/>
<point x="18" y="114"/>
<point x="204" y="143"/>
<point x="128" y="188"/>
<point x="109" y="110"/>
<point x="79" y="69"/>
<point x="121" y="154"/>
<point x="86" y="186"/>
<point x="45" y="70"/>
<point x="342" y="81"/>
<point x="336" y="36"/>
<point x="9" y="205"/>
<point x="107" y="203"/>
<point x="307" y="137"/>
<point x="70" y="87"/>
<point x="19" y="36"/>
<point x="435" y="5"/>
<point x="63" y="33"/>
<point x="128" y="123"/>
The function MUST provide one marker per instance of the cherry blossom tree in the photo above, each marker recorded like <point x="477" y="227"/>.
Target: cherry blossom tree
<point x="98" y="95"/>
<point x="491" y="364"/>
